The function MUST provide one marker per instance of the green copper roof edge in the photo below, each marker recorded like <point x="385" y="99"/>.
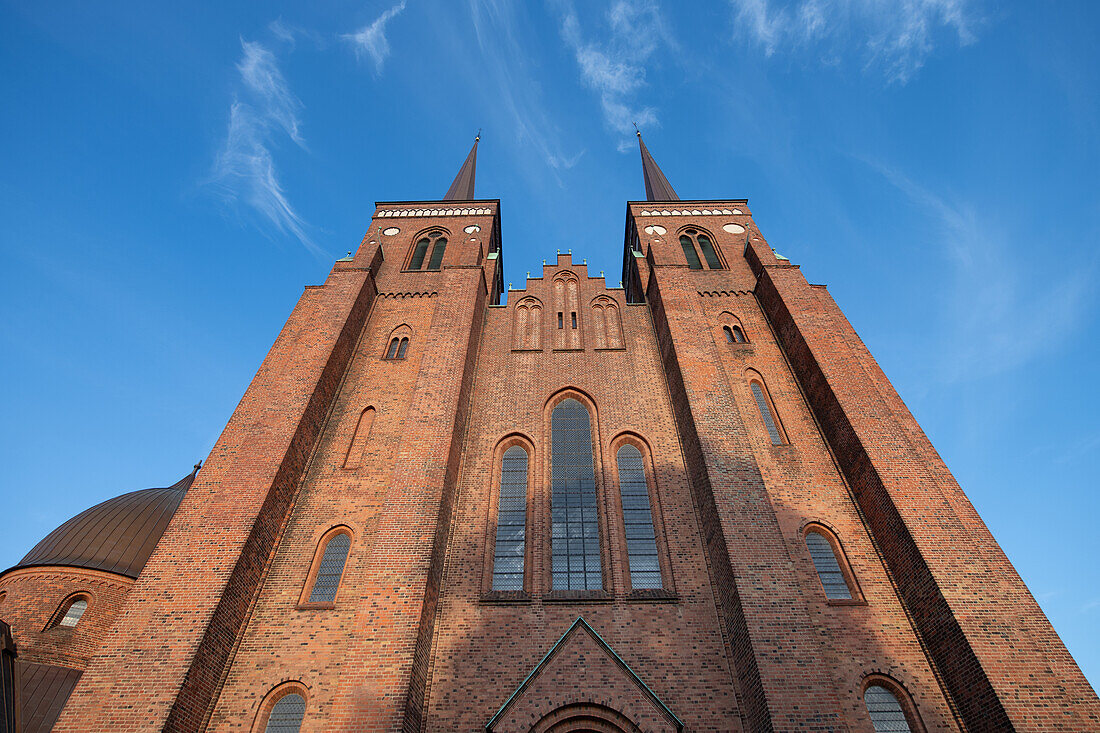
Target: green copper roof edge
<point x="607" y="647"/>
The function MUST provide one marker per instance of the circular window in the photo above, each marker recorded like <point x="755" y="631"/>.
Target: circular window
<point x="391" y="231"/>
<point x="734" y="228"/>
<point x="472" y="228"/>
<point x="655" y="229"/>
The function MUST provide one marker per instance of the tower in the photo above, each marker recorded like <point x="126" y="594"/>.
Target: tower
<point x="693" y="502"/>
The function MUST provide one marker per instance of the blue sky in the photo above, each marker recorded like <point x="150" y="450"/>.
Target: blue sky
<point x="172" y="177"/>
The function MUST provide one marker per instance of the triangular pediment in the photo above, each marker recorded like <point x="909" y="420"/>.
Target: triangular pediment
<point x="582" y="678"/>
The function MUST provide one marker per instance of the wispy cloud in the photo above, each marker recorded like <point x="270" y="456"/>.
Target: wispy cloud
<point x="615" y="66"/>
<point x="996" y="315"/>
<point x="515" y="85"/>
<point x="371" y="38"/>
<point x="244" y="168"/>
<point x="896" y="37"/>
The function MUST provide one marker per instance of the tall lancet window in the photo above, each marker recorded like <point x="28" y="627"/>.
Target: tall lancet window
<point x="575" y="531"/>
<point x="641" y="542"/>
<point x="433" y="242"/>
<point x="511" y="521"/>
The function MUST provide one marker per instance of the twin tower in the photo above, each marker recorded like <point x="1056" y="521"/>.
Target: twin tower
<point x="694" y="502"/>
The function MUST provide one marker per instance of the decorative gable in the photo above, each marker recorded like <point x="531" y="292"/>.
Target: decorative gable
<point x="582" y="684"/>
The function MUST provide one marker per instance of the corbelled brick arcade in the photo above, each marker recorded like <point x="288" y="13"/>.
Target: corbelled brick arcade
<point x="694" y="502"/>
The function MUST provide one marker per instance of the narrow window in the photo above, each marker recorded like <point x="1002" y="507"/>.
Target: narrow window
<point x="437" y="254"/>
<point x="391" y="353"/>
<point x="73" y="613"/>
<point x="766" y="413"/>
<point x="739" y="335"/>
<point x="690" y="253"/>
<point x="561" y="320"/>
<point x="331" y="569"/>
<point x="828" y="569"/>
<point x="641" y="542"/>
<point x="729" y="334"/>
<point x="286" y="716"/>
<point x="359" y="438"/>
<point x="575" y="532"/>
<point x="421" y="250"/>
<point x="401" y="349"/>
<point x="708" y="252"/>
<point x="574" y="320"/>
<point x="511" y="544"/>
<point x="887" y="714"/>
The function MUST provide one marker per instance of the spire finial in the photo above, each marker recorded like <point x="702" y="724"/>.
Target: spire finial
<point x="463" y="187"/>
<point x="636" y="129"/>
<point x="657" y="187"/>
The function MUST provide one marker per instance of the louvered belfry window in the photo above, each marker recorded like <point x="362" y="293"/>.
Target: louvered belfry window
<point x="828" y="568"/>
<point x="286" y="716"/>
<point x="437" y="254"/>
<point x="690" y="253"/>
<point x="708" y="252"/>
<point x="641" y="542"/>
<point x="419" y="253"/>
<point x="508" y="557"/>
<point x="575" y="532"/>
<point x="331" y="569"/>
<point x="887" y="715"/>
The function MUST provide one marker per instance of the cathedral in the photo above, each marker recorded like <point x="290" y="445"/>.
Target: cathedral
<point x="693" y="502"/>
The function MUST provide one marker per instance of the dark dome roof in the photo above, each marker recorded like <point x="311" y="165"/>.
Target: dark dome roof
<point x="117" y="536"/>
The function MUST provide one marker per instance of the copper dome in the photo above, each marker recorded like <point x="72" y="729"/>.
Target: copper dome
<point x="116" y="536"/>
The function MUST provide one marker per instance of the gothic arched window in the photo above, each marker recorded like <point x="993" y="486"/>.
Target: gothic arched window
<point x="575" y="530"/>
<point x="692" y="237"/>
<point x="330" y="570"/>
<point x="689" y="253"/>
<point x="890" y="708"/>
<point x="74" y="608"/>
<point x="403" y="347"/>
<point x="729" y="334"/>
<point x="436" y="242"/>
<point x="824" y="553"/>
<point x="391" y="353"/>
<point x="511" y="546"/>
<point x="641" y="541"/>
<point x="286" y="714"/>
<point x="767" y="411"/>
<point x="438" y="251"/>
<point x="738" y="335"/>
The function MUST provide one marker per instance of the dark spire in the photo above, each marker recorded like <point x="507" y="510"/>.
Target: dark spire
<point x="463" y="187"/>
<point x="657" y="187"/>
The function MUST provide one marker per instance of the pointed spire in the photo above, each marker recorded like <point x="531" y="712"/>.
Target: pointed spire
<point x="463" y="187"/>
<point x="657" y="187"/>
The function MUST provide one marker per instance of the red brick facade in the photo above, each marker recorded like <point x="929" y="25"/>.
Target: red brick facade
<point x="404" y="456"/>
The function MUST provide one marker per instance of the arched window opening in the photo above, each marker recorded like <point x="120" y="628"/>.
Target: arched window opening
<point x="766" y="414"/>
<point x="391" y="353"/>
<point x="729" y="334"/>
<point x="575" y="532"/>
<point x="641" y="541"/>
<point x="887" y="713"/>
<point x="511" y="545"/>
<point x="331" y="569"/>
<point x="287" y="714"/>
<point x="359" y="438"/>
<point x="419" y="252"/>
<point x="73" y="613"/>
<point x="566" y="301"/>
<point x="690" y="253"/>
<point x="605" y="321"/>
<point x="709" y="254"/>
<point x="437" y="254"/>
<point x="738" y="335"/>
<point x="827" y="566"/>
<point x="528" y="316"/>
<point x="403" y="347"/>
